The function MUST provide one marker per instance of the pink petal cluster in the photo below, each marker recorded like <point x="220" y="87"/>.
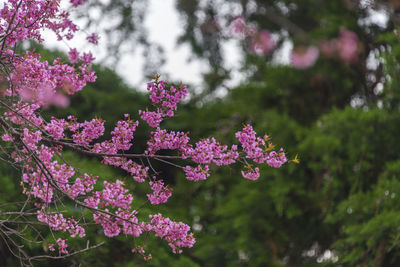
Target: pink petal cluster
<point x="162" y="139"/>
<point x="77" y="2"/>
<point x="113" y="195"/>
<point x="165" y="99"/>
<point x="240" y="28"/>
<point x="57" y="222"/>
<point x="122" y="137"/>
<point x="262" y="43"/>
<point x="83" y="185"/>
<point x="209" y="150"/>
<point x="160" y="193"/>
<point x="26" y="112"/>
<point x="56" y="128"/>
<point x="23" y="20"/>
<point x="73" y="55"/>
<point x="345" y="46"/>
<point x="348" y="46"/>
<point x="122" y="134"/>
<point x="251" y="174"/>
<point x="196" y="174"/>
<point x="86" y="132"/>
<point x="175" y="233"/>
<point x="304" y="57"/>
<point x="275" y="159"/>
<point x="152" y="118"/>
<point x="93" y="38"/>
<point x="41" y="83"/>
<point x="62" y="246"/>
<point x="256" y="148"/>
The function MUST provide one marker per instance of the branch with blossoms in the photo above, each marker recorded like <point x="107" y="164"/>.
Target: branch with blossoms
<point x="36" y="146"/>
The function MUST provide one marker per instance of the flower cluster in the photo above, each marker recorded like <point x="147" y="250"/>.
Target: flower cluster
<point x="62" y="246"/>
<point x="23" y="20"/>
<point x="160" y="194"/>
<point x="251" y="174"/>
<point x="165" y="99"/>
<point x="57" y="222"/>
<point x="197" y="174"/>
<point x="257" y="149"/>
<point x="162" y="139"/>
<point x="45" y="84"/>
<point x="175" y="233"/>
<point x="93" y="38"/>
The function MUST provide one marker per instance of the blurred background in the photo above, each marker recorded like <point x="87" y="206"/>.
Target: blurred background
<point x="320" y="77"/>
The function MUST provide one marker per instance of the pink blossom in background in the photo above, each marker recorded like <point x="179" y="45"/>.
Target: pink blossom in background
<point x="59" y="100"/>
<point x="304" y="57"/>
<point x="262" y="43"/>
<point x="347" y="46"/>
<point x="238" y="26"/>
<point x="240" y="29"/>
<point x="46" y="96"/>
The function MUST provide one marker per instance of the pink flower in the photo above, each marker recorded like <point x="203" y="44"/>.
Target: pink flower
<point x="160" y="194"/>
<point x="240" y="29"/>
<point x="348" y="46"/>
<point x="153" y="119"/>
<point x="304" y="57"/>
<point x="262" y="43"/>
<point x="62" y="246"/>
<point x="44" y="96"/>
<point x="345" y="46"/>
<point x="196" y="174"/>
<point x="251" y="174"/>
<point x="175" y="233"/>
<point x="77" y="2"/>
<point x="87" y="58"/>
<point x="73" y="55"/>
<point x="275" y="159"/>
<point x="6" y="137"/>
<point x="93" y="38"/>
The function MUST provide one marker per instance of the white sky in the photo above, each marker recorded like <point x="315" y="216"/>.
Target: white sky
<point x="164" y="28"/>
